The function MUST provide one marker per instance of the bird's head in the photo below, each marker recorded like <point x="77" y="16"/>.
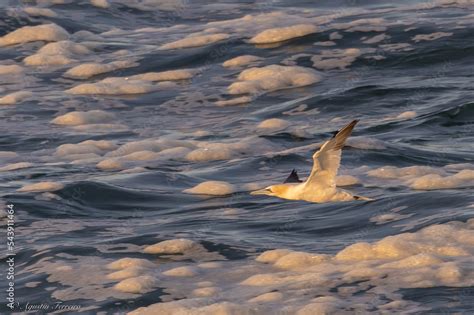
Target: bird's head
<point x="273" y="190"/>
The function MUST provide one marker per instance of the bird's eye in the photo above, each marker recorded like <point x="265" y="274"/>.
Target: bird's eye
<point x="269" y="189"/>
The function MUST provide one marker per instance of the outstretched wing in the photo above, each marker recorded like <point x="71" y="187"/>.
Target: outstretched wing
<point x="293" y="178"/>
<point x="326" y="161"/>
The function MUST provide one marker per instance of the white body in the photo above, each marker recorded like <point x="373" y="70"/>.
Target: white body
<point x="303" y="191"/>
<point x="320" y="186"/>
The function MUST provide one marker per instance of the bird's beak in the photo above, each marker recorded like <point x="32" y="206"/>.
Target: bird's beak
<point x="260" y="192"/>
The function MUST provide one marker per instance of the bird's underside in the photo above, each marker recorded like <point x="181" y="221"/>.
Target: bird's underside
<point x="320" y="186"/>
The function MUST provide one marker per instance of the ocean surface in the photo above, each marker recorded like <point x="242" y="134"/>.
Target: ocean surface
<point x="128" y="123"/>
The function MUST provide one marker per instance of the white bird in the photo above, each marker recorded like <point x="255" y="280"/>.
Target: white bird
<point x="320" y="186"/>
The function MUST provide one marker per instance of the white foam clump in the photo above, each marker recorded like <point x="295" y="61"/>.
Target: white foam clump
<point x="86" y="36"/>
<point x="214" y="151"/>
<point x="363" y="25"/>
<point x="193" y="151"/>
<point x="346" y="180"/>
<point x="128" y="268"/>
<point x="140" y="284"/>
<point x="15" y="166"/>
<point x="273" y="124"/>
<point x="175" y="246"/>
<point x="8" y="155"/>
<point x="41" y="187"/>
<point x="430" y="37"/>
<point x="166" y="154"/>
<point x="459" y="166"/>
<point x="87" y="70"/>
<point x="284" y="259"/>
<point x="35" y="11"/>
<point x="141" y="156"/>
<point x="376" y="39"/>
<point x="100" y="128"/>
<point x="433" y="244"/>
<point x="335" y="35"/>
<point x="438" y="255"/>
<point x="98" y="147"/>
<point x="56" y="54"/>
<point x="195" y="41"/>
<point x="45" y="32"/>
<point x="267" y="297"/>
<point x="110" y="164"/>
<point x="407" y="115"/>
<point x="272" y="78"/>
<point x="82" y="118"/>
<point x="185" y="271"/>
<point x="212" y="188"/>
<point x="388" y="217"/>
<point x="323" y="305"/>
<point x="10" y="69"/>
<point x="104" y="4"/>
<point x="365" y="143"/>
<point x="81" y="159"/>
<point x="235" y="101"/>
<point x="241" y="61"/>
<point x="206" y="291"/>
<point x="296" y="260"/>
<point x="185" y="308"/>
<point x="426" y="177"/>
<point x="292" y="60"/>
<point x="15" y="97"/>
<point x="128" y="262"/>
<point x="130" y="272"/>
<point x="392" y="172"/>
<point x="174" y="153"/>
<point x="115" y="86"/>
<point x="335" y="58"/>
<point x="134" y="170"/>
<point x="280" y="34"/>
<point x="463" y="178"/>
<point x="210" y="265"/>
<point x="154" y="145"/>
<point x="171" y="75"/>
<point x="272" y="256"/>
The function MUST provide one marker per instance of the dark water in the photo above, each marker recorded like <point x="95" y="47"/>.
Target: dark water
<point x="415" y="106"/>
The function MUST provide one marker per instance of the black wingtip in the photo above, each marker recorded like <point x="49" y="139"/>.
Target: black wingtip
<point x="293" y="177"/>
<point x="350" y="125"/>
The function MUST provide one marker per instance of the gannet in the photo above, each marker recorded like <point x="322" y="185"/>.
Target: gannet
<point x="320" y="186"/>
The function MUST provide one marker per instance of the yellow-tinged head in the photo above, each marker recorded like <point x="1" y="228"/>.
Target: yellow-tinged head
<point x="274" y="190"/>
